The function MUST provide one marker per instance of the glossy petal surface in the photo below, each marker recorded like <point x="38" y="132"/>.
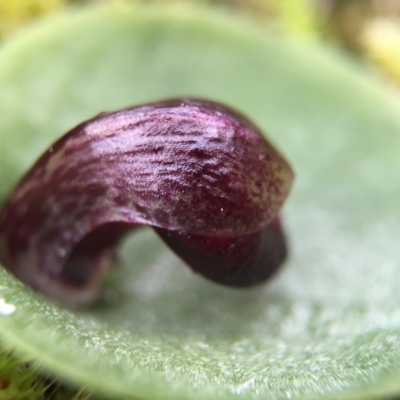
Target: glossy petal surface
<point x="186" y="166"/>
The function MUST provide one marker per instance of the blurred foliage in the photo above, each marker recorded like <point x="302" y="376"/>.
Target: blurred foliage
<point x="19" y="380"/>
<point x="381" y="40"/>
<point x="297" y="16"/>
<point x="347" y="20"/>
<point x="369" y="29"/>
<point x="342" y="21"/>
<point x="14" y="13"/>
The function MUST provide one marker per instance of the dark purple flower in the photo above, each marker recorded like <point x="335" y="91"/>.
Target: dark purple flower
<point x="198" y="172"/>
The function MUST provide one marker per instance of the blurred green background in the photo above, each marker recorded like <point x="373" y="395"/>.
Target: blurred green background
<point x="369" y="29"/>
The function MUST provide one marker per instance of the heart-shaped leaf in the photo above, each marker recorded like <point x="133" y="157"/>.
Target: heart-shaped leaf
<point x="329" y="324"/>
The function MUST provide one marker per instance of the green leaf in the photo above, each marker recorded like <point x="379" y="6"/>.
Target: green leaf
<point x="329" y="325"/>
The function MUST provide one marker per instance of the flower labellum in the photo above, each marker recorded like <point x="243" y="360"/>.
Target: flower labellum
<point x="201" y="174"/>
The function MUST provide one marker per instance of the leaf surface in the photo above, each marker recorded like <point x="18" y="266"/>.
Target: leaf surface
<point x="328" y="326"/>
